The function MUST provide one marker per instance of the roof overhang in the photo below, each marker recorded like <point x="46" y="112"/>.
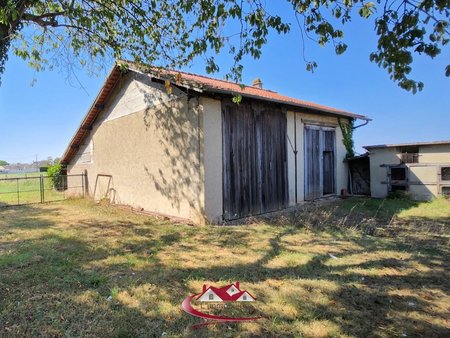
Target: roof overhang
<point x="99" y="103"/>
<point x="293" y="105"/>
<point x="200" y="84"/>
<point x="175" y="77"/>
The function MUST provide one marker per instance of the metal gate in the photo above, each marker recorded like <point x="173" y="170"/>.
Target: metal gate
<point x="22" y="189"/>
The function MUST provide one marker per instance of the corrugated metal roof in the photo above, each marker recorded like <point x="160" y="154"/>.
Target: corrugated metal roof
<point x="412" y="144"/>
<point x="197" y="83"/>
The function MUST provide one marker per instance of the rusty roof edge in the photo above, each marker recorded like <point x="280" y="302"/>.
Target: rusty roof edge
<point x="184" y="83"/>
<point x="64" y="159"/>
<point x="324" y="109"/>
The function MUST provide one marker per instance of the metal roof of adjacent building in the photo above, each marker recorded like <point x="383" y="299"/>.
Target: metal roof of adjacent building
<point x="412" y="144"/>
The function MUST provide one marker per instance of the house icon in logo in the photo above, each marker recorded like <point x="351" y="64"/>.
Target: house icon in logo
<point x="227" y="293"/>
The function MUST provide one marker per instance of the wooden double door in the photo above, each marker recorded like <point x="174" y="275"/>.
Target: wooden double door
<point x="320" y="161"/>
<point x="254" y="159"/>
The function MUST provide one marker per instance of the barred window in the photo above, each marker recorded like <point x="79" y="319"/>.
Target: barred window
<point x="410" y="154"/>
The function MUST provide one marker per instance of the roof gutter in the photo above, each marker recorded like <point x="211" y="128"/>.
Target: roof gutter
<point x="366" y="121"/>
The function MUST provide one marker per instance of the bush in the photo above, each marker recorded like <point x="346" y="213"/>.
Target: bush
<point x="54" y="173"/>
<point x="398" y="194"/>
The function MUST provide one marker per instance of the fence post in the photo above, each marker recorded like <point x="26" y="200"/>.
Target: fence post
<point x="17" y="186"/>
<point x="82" y="183"/>
<point x="41" y="185"/>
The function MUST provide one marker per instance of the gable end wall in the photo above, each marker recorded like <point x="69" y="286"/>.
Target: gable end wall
<point x="147" y="150"/>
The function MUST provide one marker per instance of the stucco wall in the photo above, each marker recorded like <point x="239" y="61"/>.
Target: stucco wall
<point x="290" y="119"/>
<point x="423" y="177"/>
<point x="148" y="158"/>
<point x="212" y="136"/>
<point x="423" y="192"/>
<point x="434" y="154"/>
<point x="342" y="168"/>
<point x="378" y="174"/>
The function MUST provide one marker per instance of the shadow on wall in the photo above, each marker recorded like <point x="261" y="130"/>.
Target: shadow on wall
<point x="178" y="121"/>
<point x="424" y="182"/>
<point x="419" y="180"/>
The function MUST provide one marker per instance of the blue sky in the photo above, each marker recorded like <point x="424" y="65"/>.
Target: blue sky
<point x="41" y="119"/>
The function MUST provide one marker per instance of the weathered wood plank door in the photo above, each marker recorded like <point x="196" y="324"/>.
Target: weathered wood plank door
<point x="313" y="188"/>
<point x="328" y="176"/>
<point x="254" y="159"/>
<point x="319" y="143"/>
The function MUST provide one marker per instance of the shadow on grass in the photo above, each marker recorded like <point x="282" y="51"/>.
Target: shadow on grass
<point x="110" y="278"/>
<point x="26" y="217"/>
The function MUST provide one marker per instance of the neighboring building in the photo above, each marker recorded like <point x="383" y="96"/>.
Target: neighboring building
<point x="175" y="143"/>
<point x="20" y="168"/>
<point x="227" y="293"/>
<point x="421" y="169"/>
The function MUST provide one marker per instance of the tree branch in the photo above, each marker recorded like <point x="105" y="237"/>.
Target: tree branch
<point x="47" y="19"/>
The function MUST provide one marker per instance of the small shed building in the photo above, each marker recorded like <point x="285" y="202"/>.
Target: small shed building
<point x="176" y="143"/>
<point x="420" y="169"/>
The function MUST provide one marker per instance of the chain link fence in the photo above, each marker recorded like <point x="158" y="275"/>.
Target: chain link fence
<point x="23" y="189"/>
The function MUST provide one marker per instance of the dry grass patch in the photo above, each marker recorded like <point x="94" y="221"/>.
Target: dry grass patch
<point x="356" y="268"/>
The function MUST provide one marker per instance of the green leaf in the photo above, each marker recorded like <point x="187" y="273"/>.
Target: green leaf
<point x="340" y="48"/>
<point x="176" y="33"/>
<point x="367" y="10"/>
<point x="237" y="99"/>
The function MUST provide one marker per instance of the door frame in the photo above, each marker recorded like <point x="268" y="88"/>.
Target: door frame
<point x="321" y="129"/>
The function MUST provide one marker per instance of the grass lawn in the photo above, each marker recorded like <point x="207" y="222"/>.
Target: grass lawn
<point x="357" y="268"/>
